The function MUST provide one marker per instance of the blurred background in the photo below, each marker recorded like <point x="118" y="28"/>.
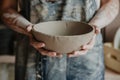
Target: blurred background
<point x="111" y="46"/>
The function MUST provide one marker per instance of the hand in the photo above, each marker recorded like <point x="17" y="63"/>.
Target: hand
<point x="19" y="24"/>
<point x="40" y="46"/>
<point x="85" y="48"/>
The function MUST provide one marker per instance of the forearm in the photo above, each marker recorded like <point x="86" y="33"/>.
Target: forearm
<point x="106" y="14"/>
<point x="12" y="18"/>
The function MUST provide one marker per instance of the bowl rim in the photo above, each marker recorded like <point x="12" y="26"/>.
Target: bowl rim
<point x="92" y="31"/>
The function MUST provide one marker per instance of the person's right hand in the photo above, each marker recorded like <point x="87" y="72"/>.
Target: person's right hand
<point x="39" y="46"/>
<point x="27" y="31"/>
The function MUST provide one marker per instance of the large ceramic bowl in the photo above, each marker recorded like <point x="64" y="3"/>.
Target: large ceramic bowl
<point x="63" y="36"/>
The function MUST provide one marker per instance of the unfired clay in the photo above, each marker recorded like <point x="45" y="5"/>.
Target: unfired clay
<point x="63" y="36"/>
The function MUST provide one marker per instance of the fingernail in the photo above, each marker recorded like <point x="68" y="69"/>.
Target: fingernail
<point x="29" y="29"/>
<point x="76" y="52"/>
<point x="54" y="53"/>
<point x="84" y="47"/>
<point x="42" y="45"/>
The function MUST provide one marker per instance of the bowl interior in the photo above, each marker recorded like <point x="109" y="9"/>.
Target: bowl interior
<point x="62" y="28"/>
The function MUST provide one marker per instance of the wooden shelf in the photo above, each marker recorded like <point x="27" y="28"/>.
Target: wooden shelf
<point x="7" y="59"/>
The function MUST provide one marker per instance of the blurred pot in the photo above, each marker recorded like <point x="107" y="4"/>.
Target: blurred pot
<point x="117" y="40"/>
<point x="112" y="57"/>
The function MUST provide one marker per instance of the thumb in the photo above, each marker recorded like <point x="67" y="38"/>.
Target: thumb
<point x="29" y="27"/>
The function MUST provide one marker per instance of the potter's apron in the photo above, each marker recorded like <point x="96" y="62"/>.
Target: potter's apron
<point x="85" y="67"/>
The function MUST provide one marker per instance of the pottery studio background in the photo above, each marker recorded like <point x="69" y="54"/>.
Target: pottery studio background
<point x="8" y="49"/>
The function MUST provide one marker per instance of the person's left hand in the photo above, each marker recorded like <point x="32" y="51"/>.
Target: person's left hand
<point x="85" y="48"/>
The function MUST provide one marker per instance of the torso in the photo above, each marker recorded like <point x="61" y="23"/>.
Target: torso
<point x="73" y="10"/>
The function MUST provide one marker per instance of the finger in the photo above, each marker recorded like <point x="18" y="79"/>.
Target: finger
<point x="29" y="27"/>
<point x="77" y="53"/>
<point x="90" y="44"/>
<point x="97" y="30"/>
<point x="36" y="44"/>
<point x="47" y="53"/>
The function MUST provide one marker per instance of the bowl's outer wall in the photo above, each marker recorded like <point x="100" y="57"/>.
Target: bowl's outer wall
<point x="63" y="44"/>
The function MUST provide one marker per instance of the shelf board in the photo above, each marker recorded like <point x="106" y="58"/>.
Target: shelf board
<point x="7" y="59"/>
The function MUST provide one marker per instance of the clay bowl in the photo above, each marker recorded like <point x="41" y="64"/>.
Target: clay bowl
<point x="63" y="36"/>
